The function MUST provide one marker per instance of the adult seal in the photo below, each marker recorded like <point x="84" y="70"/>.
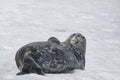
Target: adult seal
<point x="52" y="56"/>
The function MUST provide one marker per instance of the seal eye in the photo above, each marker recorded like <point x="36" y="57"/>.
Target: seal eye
<point x="83" y="37"/>
<point x="73" y="35"/>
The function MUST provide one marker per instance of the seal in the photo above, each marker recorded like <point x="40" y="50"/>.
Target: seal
<point x="52" y="56"/>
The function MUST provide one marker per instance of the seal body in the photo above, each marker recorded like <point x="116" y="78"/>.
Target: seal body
<point x="48" y="57"/>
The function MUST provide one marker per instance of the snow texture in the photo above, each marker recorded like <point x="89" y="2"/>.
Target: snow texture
<point x="25" y="21"/>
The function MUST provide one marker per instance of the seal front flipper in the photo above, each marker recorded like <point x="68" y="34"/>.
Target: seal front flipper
<point x="20" y="73"/>
<point x="54" y="40"/>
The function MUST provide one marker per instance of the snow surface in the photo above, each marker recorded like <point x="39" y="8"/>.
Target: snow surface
<point x="25" y="21"/>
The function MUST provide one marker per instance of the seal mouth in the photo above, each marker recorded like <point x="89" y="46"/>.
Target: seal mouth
<point x="74" y="41"/>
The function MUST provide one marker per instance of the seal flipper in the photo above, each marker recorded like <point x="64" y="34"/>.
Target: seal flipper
<point x="30" y="66"/>
<point x="39" y="71"/>
<point x="24" y="71"/>
<point x="20" y="73"/>
<point x="54" y="40"/>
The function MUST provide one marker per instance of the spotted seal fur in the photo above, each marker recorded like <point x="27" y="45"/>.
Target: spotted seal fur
<point x="52" y="56"/>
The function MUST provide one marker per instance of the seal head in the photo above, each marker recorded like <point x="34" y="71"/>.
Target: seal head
<point x="78" y="45"/>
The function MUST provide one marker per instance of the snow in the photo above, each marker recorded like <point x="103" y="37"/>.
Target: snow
<point x="25" y="21"/>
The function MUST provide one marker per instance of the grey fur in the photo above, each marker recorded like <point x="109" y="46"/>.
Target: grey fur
<point x="52" y="56"/>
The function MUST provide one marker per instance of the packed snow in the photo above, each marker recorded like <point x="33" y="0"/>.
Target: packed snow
<point x="25" y="21"/>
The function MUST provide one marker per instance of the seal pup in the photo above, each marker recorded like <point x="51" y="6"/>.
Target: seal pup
<point x="77" y="43"/>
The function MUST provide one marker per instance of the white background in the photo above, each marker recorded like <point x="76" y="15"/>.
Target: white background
<point x="25" y="21"/>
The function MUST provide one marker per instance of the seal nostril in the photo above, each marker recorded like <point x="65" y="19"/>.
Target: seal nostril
<point x="76" y="42"/>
